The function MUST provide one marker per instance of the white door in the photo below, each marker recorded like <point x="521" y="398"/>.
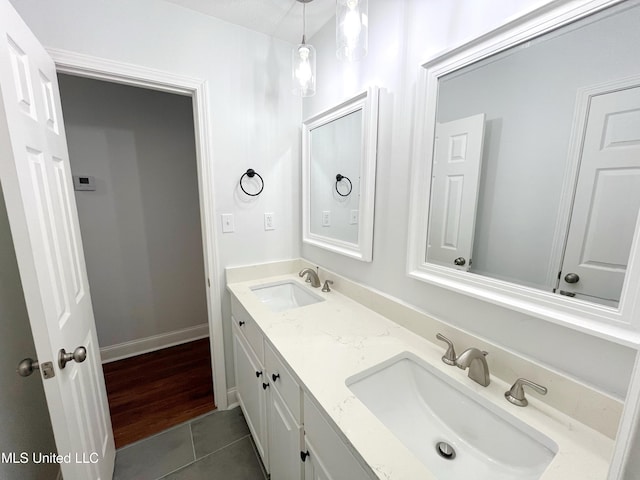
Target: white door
<point x="607" y="199"/>
<point x="36" y="180"/>
<point x="454" y="191"/>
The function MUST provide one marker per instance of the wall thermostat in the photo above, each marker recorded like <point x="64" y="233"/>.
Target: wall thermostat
<point x="84" y="183"/>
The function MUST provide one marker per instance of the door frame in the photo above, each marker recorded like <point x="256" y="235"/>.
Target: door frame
<point x="88" y="66"/>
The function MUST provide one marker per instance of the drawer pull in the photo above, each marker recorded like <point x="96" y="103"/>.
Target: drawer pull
<point x="241" y="322"/>
<point x="264" y="385"/>
<point x="275" y="376"/>
<point x="258" y="374"/>
<point x="304" y="455"/>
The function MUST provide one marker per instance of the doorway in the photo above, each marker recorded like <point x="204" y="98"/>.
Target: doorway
<point x="133" y="160"/>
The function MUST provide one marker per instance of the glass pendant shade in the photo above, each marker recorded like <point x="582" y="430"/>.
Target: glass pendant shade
<point x="351" y="29"/>
<point x="303" y="59"/>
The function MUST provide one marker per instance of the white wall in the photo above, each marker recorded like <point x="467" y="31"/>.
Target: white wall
<point x="528" y="97"/>
<point x="254" y="119"/>
<point x="25" y="425"/>
<point x="402" y="36"/>
<point x="141" y="226"/>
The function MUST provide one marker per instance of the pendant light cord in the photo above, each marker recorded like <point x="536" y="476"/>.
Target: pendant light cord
<point x="304" y="23"/>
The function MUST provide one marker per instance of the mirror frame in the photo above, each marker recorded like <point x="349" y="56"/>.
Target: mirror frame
<point x="621" y="325"/>
<point x="367" y="101"/>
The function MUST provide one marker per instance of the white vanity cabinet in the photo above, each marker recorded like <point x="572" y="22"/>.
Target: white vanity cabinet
<point x="276" y="409"/>
<point x="326" y="457"/>
<point x="284" y="414"/>
<point x="252" y="395"/>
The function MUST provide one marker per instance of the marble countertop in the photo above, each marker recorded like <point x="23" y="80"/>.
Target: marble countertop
<point x="327" y="342"/>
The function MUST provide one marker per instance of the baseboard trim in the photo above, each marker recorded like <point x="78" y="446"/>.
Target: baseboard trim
<point x="232" y="398"/>
<point x="153" y="343"/>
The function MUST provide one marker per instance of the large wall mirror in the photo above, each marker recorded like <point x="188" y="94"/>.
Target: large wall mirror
<point x="338" y="166"/>
<point x="527" y="168"/>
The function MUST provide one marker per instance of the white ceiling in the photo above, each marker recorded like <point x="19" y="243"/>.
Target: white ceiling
<point x="278" y="18"/>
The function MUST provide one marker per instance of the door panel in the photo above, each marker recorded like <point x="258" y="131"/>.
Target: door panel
<point x="454" y="191"/>
<point x="35" y="175"/>
<point x="607" y="198"/>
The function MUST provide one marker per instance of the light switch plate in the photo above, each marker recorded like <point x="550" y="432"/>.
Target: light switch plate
<point x="326" y="218"/>
<point x="353" y="217"/>
<point x="227" y="223"/>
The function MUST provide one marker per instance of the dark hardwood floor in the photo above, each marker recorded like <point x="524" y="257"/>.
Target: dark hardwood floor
<point x="154" y="391"/>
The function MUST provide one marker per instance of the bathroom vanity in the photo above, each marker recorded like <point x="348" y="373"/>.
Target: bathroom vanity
<point x="321" y="384"/>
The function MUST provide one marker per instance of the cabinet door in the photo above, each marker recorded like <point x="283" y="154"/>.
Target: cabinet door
<point x="314" y="468"/>
<point x="251" y="394"/>
<point x="285" y="440"/>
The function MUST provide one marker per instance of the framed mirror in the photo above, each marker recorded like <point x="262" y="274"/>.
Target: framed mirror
<point x="338" y="176"/>
<point x="526" y="175"/>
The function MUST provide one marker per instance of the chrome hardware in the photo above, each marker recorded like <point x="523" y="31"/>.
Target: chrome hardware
<point x="304" y="455"/>
<point x="47" y="370"/>
<point x="312" y="277"/>
<point x="79" y="355"/>
<point x="445" y="450"/>
<point x="572" y="278"/>
<point x="450" y="355"/>
<point x="325" y="287"/>
<point x="516" y="394"/>
<point x="473" y="359"/>
<point x="275" y="376"/>
<point x="258" y="373"/>
<point x="27" y="366"/>
<point x="264" y="385"/>
<point x="460" y="261"/>
<point x="567" y="294"/>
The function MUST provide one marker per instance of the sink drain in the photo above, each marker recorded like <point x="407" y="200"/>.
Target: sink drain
<point x="445" y="450"/>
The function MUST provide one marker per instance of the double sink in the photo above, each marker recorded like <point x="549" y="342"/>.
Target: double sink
<point x="452" y="430"/>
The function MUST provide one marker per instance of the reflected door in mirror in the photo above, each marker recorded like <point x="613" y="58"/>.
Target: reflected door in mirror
<point x="454" y="191"/>
<point x="607" y="200"/>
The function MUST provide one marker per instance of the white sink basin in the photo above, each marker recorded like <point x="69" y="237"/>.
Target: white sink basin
<point x="422" y="407"/>
<point x="285" y="295"/>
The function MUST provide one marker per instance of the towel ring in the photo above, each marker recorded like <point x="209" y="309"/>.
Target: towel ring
<point x="339" y="178"/>
<point x="251" y="173"/>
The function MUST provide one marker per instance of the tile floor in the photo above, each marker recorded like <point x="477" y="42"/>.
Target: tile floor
<point x="216" y="446"/>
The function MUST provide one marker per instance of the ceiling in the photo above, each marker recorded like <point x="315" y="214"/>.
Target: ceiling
<point x="278" y="18"/>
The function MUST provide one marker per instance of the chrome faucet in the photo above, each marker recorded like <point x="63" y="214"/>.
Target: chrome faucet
<point x="474" y="360"/>
<point x="312" y="276"/>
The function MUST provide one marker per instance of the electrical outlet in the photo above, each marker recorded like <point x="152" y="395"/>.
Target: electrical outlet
<point x="353" y="217"/>
<point x="227" y="223"/>
<point x="326" y="218"/>
<point x="268" y="221"/>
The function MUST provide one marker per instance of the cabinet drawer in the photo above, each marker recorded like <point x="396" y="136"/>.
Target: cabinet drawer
<point x="281" y="379"/>
<point x="247" y="326"/>
<point x="333" y="457"/>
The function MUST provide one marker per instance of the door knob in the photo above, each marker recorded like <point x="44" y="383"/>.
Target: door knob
<point x="571" y="278"/>
<point x="79" y="355"/>
<point x="27" y="366"/>
<point x="459" y="261"/>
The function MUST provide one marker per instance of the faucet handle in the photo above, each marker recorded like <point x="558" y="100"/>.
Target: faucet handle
<point x="516" y="394"/>
<point x="450" y="355"/>
<point x="326" y="287"/>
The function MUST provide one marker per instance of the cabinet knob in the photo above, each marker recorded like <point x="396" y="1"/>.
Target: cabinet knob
<point x="275" y="376"/>
<point x="264" y="385"/>
<point x="241" y="322"/>
<point x="258" y="374"/>
<point x="304" y="455"/>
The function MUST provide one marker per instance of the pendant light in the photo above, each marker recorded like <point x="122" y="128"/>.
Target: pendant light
<point x="351" y="29"/>
<point x="304" y="63"/>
